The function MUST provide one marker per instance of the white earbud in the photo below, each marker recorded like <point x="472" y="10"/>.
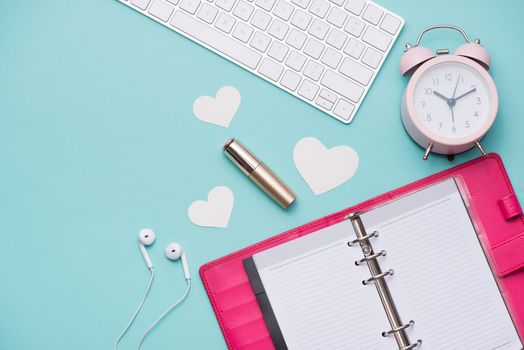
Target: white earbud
<point x="174" y="252"/>
<point x="146" y="237"/>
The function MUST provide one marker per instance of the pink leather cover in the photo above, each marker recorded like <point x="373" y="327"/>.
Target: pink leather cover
<point x="487" y="183"/>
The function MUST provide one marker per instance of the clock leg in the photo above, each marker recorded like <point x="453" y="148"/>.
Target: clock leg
<point x="481" y="149"/>
<point x="428" y="151"/>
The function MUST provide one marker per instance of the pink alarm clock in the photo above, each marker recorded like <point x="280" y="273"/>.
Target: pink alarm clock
<point x="451" y="101"/>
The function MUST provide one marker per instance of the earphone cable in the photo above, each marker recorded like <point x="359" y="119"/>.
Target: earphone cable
<point x="152" y="325"/>
<point x="137" y="310"/>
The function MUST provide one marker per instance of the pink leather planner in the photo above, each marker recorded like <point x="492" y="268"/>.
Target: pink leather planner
<point x="495" y="210"/>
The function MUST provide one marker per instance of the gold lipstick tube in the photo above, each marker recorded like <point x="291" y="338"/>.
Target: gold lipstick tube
<point x="259" y="173"/>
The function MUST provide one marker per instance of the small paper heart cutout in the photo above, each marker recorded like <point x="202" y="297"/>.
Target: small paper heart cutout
<point x="324" y="169"/>
<point x="216" y="211"/>
<point x="218" y="110"/>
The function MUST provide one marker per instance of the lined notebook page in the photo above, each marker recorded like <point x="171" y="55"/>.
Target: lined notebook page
<point x="442" y="278"/>
<point x="317" y="295"/>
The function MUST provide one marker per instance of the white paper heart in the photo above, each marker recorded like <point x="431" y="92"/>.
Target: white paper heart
<point x="216" y="211"/>
<point x="324" y="169"/>
<point x="218" y="110"/>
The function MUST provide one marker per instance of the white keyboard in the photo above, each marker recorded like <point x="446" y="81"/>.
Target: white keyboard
<point x="327" y="53"/>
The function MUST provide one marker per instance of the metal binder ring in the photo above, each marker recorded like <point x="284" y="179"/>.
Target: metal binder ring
<point x="376" y="255"/>
<point x="412" y="346"/>
<point x="398" y="329"/>
<point x="376" y="277"/>
<point x="363" y="239"/>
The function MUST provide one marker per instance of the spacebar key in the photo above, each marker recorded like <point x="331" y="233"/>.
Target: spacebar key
<point x="215" y="39"/>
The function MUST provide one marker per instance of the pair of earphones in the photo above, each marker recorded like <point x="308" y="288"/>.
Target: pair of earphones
<point x="174" y="251"/>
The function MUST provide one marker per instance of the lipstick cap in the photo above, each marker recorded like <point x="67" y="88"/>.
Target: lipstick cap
<point x="259" y="173"/>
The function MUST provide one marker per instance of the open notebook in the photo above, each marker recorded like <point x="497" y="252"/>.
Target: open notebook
<point x="312" y="295"/>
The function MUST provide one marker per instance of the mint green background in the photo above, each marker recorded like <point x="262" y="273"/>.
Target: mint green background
<point x="98" y="139"/>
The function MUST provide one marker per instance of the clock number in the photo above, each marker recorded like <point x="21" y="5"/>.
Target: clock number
<point x="423" y="103"/>
<point x="467" y="124"/>
<point x="448" y="76"/>
<point x="428" y="117"/>
<point x="478" y="100"/>
<point x="462" y="79"/>
<point x="476" y="114"/>
<point x="429" y="91"/>
<point x="440" y="125"/>
<point x="435" y="81"/>
<point x="454" y="130"/>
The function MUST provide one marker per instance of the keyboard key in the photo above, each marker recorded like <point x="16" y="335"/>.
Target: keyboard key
<point x="313" y="70"/>
<point x="270" y="69"/>
<point x="355" y="6"/>
<point x="373" y="14"/>
<point x="354" y="48"/>
<point x="344" y="109"/>
<point x="301" y="19"/>
<point x="322" y="102"/>
<point x="278" y="51"/>
<point x="356" y="71"/>
<point x="225" y="5"/>
<point x="308" y="89"/>
<point x="337" y="17"/>
<point x="319" y="29"/>
<point x="141" y="4"/>
<point x="243" y="10"/>
<point x="190" y="5"/>
<point x="331" y="58"/>
<point x="314" y="48"/>
<point x="290" y="80"/>
<point x="283" y="10"/>
<point x="161" y="10"/>
<point x="265" y="4"/>
<point x="242" y="32"/>
<point x="302" y="3"/>
<point x="319" y="8"/>
<point x="390" y="24"/>
<point x="207" y="13"/>
<point x="338" y="2"/>
<point x="215" y="39"/>
<point x="354" y="26"/>
<point x="225" y="22"/>
<point x="376" y="38"/>
<point x="261" y="20"/>
<point x="260" y="41"/>
<point x="328" y="95"/>
<point x="336" y="38"/>
<point x="343" y="86"/>
<point x="295" y="61"/>
<point x="278" y="29"/>
<point x="296" y="39"/>
<point x="372" y="58"/>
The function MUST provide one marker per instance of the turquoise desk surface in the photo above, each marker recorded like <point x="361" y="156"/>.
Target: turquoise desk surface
<point x="98" y="139"/>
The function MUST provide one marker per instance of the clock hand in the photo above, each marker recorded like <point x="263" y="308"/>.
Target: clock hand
<point x="436" y="93"/>
<point x="456" y="85"/>
<point x="466" y="93"/>
<point x="452" y="115"/>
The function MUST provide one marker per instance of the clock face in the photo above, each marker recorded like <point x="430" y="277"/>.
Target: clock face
<point x="452" y="99"/>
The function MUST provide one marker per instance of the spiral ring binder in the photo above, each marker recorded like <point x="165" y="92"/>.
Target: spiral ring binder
<point x="362" y="239"/>
<point x="390" y="332"/>
<point x="412" y="346"/>
<point x="376" y="255"/>
<point x="380" y="275"/>
<point x="398" y="329"/>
